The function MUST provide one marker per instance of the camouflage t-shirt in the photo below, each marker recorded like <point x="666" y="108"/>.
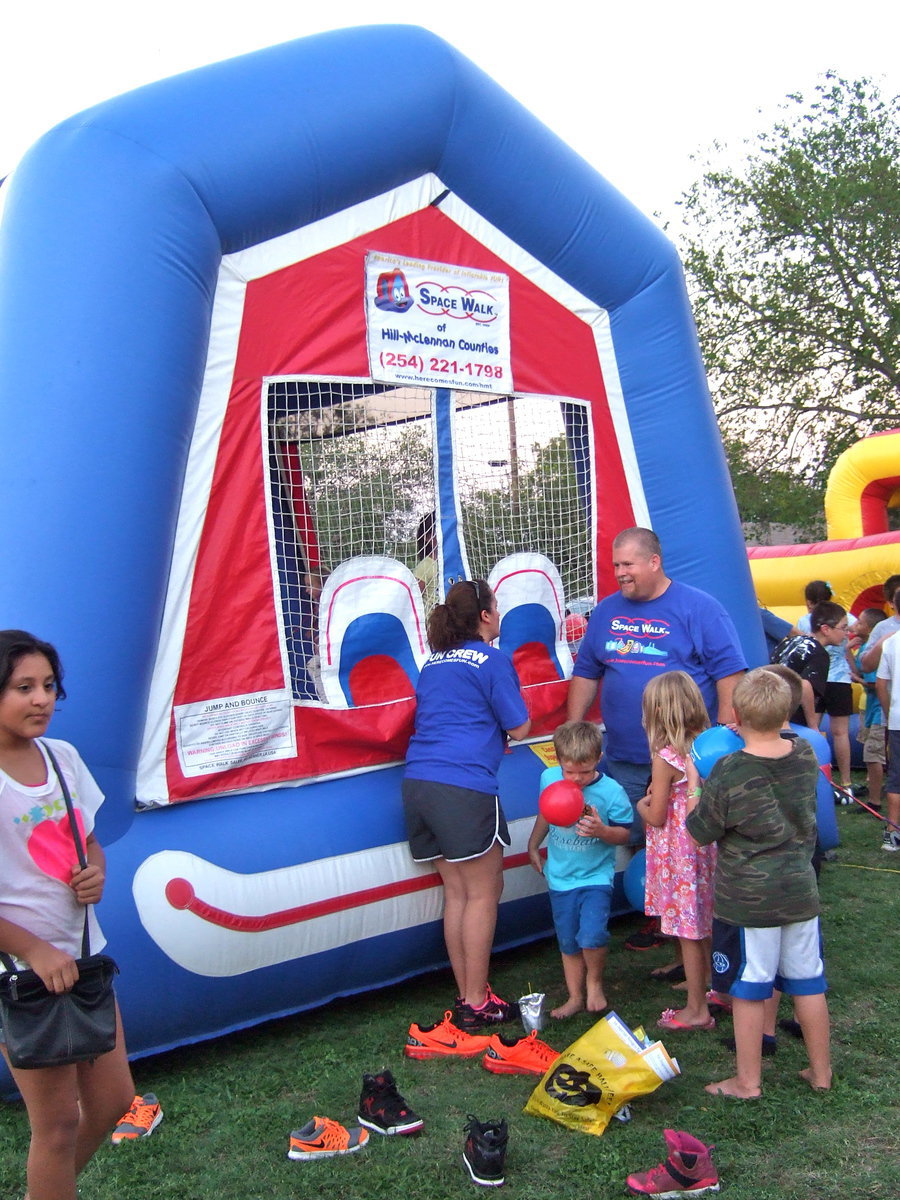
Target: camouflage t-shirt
<point x="762" y="814"/>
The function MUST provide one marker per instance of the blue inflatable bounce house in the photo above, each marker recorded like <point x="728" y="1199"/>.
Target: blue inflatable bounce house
<point x="285" y="352"/>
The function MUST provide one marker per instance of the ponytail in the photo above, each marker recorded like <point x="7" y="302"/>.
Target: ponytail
<point x="458" y="619"/>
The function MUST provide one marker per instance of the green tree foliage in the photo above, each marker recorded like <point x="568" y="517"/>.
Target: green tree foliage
<point x="541" y="512"/>
<point x="793" y="261"/>
<point x="768" y="496"/>
<point x="368" y="487"/>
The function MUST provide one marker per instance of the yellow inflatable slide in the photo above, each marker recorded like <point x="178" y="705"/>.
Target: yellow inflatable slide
<point x="861" y="550"/>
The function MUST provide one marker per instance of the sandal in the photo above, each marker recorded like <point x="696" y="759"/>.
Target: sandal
<point x="668" y="1020"/>
<point x="719" y="1001"/>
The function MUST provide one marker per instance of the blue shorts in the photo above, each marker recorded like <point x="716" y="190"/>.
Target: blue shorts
<point x="581" y="917"/>
<point x="750" y="963"/>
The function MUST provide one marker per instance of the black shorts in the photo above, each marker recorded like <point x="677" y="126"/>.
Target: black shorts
<point x="837" y="700"/>
<point x="455" y="823"/>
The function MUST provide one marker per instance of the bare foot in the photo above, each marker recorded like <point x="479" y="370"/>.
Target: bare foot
<point x="733" y="1088"/>
<point x="569" y="1009"/>
<point x="817" y="1085"/>
<point x="663" y="971"/>
<point x="596" y="1001"/>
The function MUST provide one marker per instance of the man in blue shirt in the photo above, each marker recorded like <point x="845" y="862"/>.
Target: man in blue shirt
<point x="652" y="624"/>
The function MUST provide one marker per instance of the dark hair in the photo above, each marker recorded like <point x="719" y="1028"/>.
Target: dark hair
<point x="890" y="587"/>
<point x="458" y="619"/>
<point x="826" y="613"/>
<point x="872" y="615"/>
<point x="425" y="536"/>
<point x="817" y="591"/>
<point x="15" y="644"/>
<point x="646" y="539"/>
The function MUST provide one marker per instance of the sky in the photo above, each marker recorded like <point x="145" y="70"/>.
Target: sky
<point x="639" y="90"/>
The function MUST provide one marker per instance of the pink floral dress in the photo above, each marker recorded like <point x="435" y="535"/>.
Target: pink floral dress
<point x="679" y="885"/>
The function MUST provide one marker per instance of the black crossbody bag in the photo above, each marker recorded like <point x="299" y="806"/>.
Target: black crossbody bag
<point x="49" y="1029"/>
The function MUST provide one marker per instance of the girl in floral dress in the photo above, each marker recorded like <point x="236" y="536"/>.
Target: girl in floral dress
<point x="679" y="886"/>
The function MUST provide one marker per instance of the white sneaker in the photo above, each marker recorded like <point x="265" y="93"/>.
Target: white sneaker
<point x="891" y="840"/>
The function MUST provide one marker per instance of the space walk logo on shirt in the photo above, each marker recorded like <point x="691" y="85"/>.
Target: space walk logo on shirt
<point x="637" y="636"/>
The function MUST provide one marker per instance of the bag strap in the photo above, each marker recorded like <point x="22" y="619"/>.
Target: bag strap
<point x="73" y="824"/>
<point x="6" y="959"/>
<point x="76" y="838"/>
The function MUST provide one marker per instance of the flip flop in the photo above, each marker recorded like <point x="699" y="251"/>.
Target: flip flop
<point x="668" y="1020"/>
<point x="719" y="1002"/>
<point x="669" y="974"/>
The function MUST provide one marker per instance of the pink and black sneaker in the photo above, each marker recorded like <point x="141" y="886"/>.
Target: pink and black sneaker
<point x="688" y="1171"/>
<point x="493" y="1011"/>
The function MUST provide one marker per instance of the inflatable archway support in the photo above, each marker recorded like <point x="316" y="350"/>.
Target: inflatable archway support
<point x="125" y="231"/>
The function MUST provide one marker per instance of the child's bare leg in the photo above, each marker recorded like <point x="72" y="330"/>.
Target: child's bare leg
<point x="812" y="1013"/>
<point x="695" y="956"/>
<point x="574" y="970"/>
<point x="594" y="962"/>
<point x="770" y="1008"/>
<point x="746" y="1083"/>
<point x="875" y="782"/>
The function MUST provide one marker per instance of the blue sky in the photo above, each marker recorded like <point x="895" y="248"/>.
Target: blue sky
<point x="635" y="91"/>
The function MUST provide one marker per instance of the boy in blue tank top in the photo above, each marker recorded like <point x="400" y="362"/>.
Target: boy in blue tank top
<point x="581" y="863"/>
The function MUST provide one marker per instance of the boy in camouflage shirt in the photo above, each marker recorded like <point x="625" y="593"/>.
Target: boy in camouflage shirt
<point x="759" y="806"/>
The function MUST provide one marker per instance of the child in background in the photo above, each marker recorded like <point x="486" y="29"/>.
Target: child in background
<point x="807" y="654"/>
<point x="759" y="806"/>
<point x="679" y="885"/>
<point x="838" y="698"/>
<point x="581" y="863"/>
<point x="871" y="731"/>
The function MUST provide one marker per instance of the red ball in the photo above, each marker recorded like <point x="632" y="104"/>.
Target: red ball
<point x="561" y="803"/>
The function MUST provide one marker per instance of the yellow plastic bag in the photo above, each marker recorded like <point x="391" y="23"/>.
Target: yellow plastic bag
<point x="599" y="1073"/>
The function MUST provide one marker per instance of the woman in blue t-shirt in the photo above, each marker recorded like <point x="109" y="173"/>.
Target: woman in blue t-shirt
<point x="468" y="698"/>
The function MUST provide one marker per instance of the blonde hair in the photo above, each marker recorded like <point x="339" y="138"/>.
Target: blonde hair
<point x="761" y="701"/>
<point x="578" y="742"/>
<point x="673" y="712"/>
<point x="791" y="678"/>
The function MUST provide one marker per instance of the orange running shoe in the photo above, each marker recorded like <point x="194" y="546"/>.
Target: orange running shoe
<point x="518" y="1056"/>
<point x="443" y="1039"/>
<point x="140" y="1120"/>
<point x="323" y="1138"/>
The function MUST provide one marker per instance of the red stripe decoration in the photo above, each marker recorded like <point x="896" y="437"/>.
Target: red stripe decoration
<point x="181" y="895"/>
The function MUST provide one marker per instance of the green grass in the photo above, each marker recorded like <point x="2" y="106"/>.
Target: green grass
<point x="230" y="1104"/>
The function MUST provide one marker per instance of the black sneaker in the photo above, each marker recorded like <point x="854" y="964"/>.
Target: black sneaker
<point x="485" y="1151"/>
<point x="383" y="1109"/>
<point x="494" y="1011"/>
<point x="769" y="1045"/>
<point x="647" y="937"/>
<point x="789" y="1025"/>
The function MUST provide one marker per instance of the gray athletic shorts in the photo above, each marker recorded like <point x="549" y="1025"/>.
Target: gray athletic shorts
<point x="455" y="823"/>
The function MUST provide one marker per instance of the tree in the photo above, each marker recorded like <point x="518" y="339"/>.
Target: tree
<point x="793" y="261"/>
<point x="767" y="496"/>
<point x="543" y="513"/>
